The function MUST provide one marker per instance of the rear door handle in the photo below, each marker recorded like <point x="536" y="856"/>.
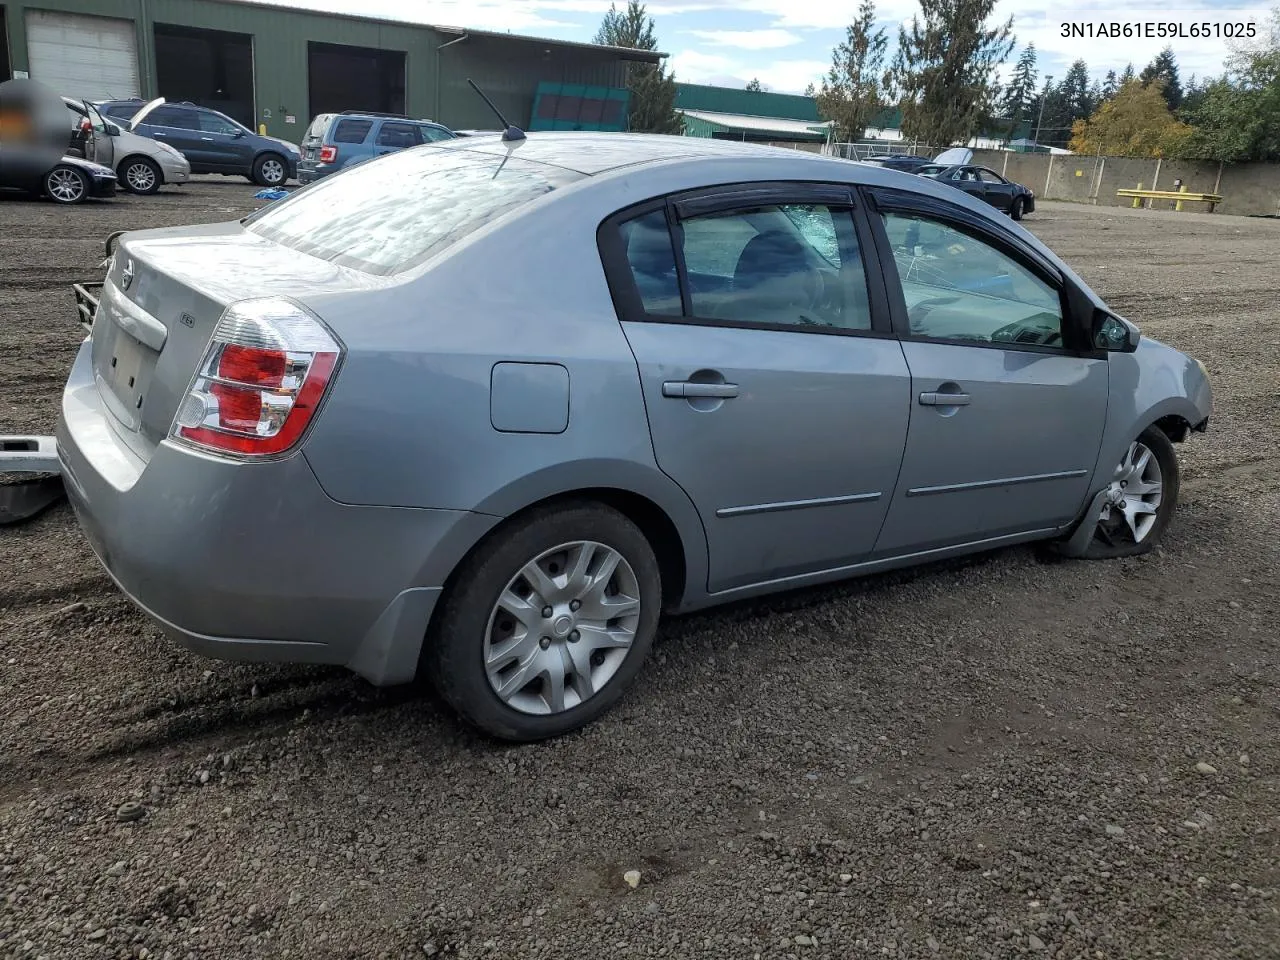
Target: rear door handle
<point x="944" y="399"/>
<point x="690" y="389"/>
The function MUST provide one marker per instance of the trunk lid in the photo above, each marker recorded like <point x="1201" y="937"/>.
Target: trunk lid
<point x="313" y="139"/>
<point x="161" y="299"/>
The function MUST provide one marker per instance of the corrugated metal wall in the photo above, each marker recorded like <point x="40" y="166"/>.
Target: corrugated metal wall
<point x="508" y="70"/>
<point x="752" y="103"/>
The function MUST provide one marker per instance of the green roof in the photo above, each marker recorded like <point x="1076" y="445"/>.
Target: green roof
<point x="751" y="103"/>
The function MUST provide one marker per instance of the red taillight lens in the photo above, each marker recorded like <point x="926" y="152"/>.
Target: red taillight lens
<point x="262" y="378"/>
<point x="328" y="154"/>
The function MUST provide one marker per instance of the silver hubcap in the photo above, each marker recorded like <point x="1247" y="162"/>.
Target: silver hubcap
<point x="272" y="171"/>
<point x="562" y="627"/>
<point x="140" y="176"/>
<point x="66" y="185"/>
<point x="1135" y="493"/>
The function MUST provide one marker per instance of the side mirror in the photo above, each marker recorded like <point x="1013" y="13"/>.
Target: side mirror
<point x="238" y="135"/>
<point x="113" y="130"/>
<point x="1114" y="334"/>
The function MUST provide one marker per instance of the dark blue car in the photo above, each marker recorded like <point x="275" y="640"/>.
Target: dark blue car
<point x="211" y="141"/>
<point x="337" y="140"/>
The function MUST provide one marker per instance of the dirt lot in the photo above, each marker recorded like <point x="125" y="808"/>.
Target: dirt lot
<point x="987" y="759"/>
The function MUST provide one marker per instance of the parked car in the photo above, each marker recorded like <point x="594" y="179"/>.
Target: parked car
<point x="211" y="141"/>
<point x="334" y="141"/>
<point x="385" y="423"/>
<point x="142" y="165"/>
<point x="985" y="184"/>
<point x="908" y="163"/>
<point x="70" y="180"/>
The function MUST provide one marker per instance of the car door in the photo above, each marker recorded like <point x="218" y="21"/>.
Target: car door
<point x="996" y="190"/>
<point x="224" y="144"/>
<point x="1009" y="398"/>
<point x="777" y="397"/>
<point x="176" y="126"/>
<point x="966" y="178"/>
<point x="104" y="145"/>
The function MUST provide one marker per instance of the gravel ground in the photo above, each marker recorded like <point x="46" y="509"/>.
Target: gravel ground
<point x="994" y="758"/>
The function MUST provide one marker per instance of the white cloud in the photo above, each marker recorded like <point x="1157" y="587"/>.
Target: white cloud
<point x="781" y="76"/>
<point x="747" y="39"/>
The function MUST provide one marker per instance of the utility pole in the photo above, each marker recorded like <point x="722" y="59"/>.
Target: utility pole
<point x="1040" y="119"/>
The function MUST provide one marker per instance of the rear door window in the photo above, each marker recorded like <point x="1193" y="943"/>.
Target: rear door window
<point x="351" y="131"/>
<point x="174" y="117"/>
<point x="388" y="217"/>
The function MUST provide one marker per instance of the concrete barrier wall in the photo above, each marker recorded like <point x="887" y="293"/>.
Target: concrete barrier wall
<point x="1246" y="188"/>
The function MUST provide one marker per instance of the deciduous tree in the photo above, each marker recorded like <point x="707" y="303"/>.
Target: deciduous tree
<point x="1137" y="122"/>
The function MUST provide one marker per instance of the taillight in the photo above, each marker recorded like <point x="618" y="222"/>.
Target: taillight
<point x="328" y="154"/>
<point x="264" y="373"/>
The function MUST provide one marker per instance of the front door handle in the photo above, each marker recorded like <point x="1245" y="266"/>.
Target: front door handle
<point x="690" y="389"/>
<point x="207" y="139"/>
<point x="944" y="399"/>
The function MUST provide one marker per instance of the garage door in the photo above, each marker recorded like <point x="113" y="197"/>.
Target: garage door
<point x="91" y="57"/>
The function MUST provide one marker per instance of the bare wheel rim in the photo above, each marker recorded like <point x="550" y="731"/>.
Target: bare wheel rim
<point x="140" y="176"/>
<point x="1133" y="497"/>
<point x="272" y="171"/>
<point x="562" y="627"/>
<point x="66" y="185"/>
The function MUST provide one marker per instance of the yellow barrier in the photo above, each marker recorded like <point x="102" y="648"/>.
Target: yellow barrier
<point x="1180" y="196"/>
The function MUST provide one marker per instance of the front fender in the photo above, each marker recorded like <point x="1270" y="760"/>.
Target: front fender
<point x="1153" y="382"/>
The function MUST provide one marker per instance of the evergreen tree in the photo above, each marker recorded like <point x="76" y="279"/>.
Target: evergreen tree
<point x="753" y="85"/>
<point x="1077" y="102"/>
<point x="855" y="89"/>
<point x="1020" y="93"/>
<point x="1110" y="86"/>
<point x="1164" y="68"/>
<point x="653" y="90"/>
<point x="1126" y="76"/>
<point x="944" y="69"/>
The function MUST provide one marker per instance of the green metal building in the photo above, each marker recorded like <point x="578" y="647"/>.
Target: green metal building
<point x="278" y="66"/>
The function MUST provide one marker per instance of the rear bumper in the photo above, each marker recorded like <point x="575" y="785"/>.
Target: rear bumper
<point x="254" y="561"/>
<point x="310" y="171"/>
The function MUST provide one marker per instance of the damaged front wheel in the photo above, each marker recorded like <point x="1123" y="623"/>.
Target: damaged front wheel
<point x="1140" y="499"/>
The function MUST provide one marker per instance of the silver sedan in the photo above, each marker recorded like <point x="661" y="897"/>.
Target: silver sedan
<point x="487" y="408"/>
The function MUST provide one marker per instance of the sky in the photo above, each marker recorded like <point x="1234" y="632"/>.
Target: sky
<point x="787" y="44"/>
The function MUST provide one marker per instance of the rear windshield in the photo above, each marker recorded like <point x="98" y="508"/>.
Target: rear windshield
<point x="388" y="215"/>
<point x="316" y="128"/>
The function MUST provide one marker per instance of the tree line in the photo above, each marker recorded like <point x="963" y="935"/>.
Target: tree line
<point x="943" y="80"/>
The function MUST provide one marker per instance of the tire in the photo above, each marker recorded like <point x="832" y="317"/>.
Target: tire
<point x="66" y="185"/>
<point x="270" y="170"/>
<point x="1015" y="211"/>
<point x="473" y="628"/>
<point x="139" y="175"/>
<point x="1114" y="536"/>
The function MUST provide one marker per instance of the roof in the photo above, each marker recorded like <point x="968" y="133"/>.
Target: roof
<point x="745" y="123"/>
<point x="624" y="53"/>
<point x="751" y="103"/>
<point x="593" y="153"/>
<point x="312" y="7"/>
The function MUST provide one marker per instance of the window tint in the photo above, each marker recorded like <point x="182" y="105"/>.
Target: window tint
<point x="121" y="111"/>
<point x="172" y="117"/>
<point x="958" y="287"/>
<point x="351" y="131"/>
<point x="435" y="134"/>
<point x="215" y="123"/>
<point x="777" y="265"/>
<point x="398" y="134"/>
<point x="389" y="216"/>
<point x="653" y="262"/>
<point x="986" y="176"/>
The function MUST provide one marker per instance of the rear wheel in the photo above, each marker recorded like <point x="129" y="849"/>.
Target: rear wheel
<point x="1141" y="498"/>
<point x="548" y="623"/>
<point x="1016" y="210"/>
<point x="269" y="170"/>
<point x="66" y="185"/>
<point x="140" y="175"/>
